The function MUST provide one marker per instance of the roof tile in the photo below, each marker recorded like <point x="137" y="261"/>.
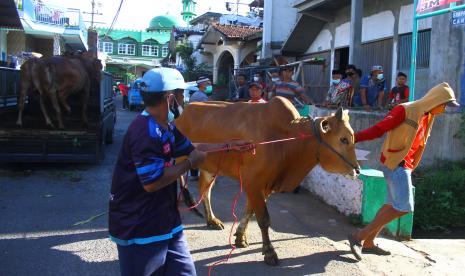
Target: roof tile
<point x="236" y="31"/>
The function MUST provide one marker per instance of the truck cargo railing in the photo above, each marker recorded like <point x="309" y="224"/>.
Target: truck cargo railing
<point x="9" y="87"/>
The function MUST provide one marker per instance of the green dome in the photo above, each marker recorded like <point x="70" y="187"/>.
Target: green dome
<point x="162" y="22"/>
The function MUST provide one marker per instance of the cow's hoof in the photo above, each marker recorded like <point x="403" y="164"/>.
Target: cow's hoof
<point x="19" y="124"/>
<point x="241" y="241"/>
<point x="271" y="258"/>
<point x="215" y="224"/>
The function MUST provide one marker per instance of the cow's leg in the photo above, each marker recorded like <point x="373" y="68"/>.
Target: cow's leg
<point x="258" y="204"/>
<point x="85" y="103"/>
<point x="48" y="121"/>
<point x="206" y="182"/>
<point x="64" y="103"/>
<point x="241" y="232"/>
<point x="21" y="101"/>
<point x="54" y="99"/>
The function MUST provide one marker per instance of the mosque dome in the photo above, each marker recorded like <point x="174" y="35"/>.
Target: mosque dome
<point x="162" y="22"/>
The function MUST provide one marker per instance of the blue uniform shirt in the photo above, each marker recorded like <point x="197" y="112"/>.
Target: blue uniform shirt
<point x="373" y="88"/>
<point x="136" y="216"/>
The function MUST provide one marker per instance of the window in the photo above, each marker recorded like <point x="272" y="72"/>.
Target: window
<point x="164" y="51"/>
<point x="150" y="50"/>
<point x="126" y="49"/>
<point x="105" y="47"/>
<point x="423" y="50"/>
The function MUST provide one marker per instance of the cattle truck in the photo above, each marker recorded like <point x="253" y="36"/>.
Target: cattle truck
<point x="35" y="142"/>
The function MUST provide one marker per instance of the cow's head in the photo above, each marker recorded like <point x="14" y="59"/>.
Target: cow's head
<point x="337" y="150"/>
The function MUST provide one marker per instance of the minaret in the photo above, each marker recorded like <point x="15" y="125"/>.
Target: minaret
<point x="188" y="10"/>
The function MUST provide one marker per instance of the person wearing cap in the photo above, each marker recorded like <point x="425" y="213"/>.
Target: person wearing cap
<point x="290" y="89"/>
<point x="408" y="127"/>
<point x="256" y="91"/>
<point x="202" y="95"/>
<point x="144" y="220"/>
<point x="205" y="90"/>
<point x="372" y="89"/>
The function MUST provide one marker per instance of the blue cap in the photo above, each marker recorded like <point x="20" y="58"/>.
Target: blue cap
<point x="162" y="79"/>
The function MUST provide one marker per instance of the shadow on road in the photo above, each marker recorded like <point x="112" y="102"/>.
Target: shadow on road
<point x="311" y="264"/>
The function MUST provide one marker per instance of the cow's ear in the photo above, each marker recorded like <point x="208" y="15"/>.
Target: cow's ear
<point x="342" y="115"/>
<point x="325" y="127"/>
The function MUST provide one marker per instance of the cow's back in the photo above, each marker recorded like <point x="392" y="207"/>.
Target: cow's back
<point x="216" y="122"/>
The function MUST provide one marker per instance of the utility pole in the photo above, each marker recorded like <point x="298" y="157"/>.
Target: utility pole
<point x="94" y="12"/>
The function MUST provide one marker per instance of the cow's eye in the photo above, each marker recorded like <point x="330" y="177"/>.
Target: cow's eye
<point x="344" y="141"/>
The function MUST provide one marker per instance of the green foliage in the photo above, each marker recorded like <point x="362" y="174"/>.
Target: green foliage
<point x="192" y="71"/>
<point x="222" y="81"/>
<point x="440" y="197"/>
<point x="129" y="77"/>
<point x="461" y="133"/>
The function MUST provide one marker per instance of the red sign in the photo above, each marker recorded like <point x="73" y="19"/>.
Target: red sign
<point x="425" y="5"/>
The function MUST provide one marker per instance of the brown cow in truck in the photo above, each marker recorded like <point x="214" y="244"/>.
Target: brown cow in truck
<point x="275" y="167"/>
<point x="56" y="78"/>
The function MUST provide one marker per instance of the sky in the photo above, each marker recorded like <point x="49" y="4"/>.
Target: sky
<point x="136" y="14"/>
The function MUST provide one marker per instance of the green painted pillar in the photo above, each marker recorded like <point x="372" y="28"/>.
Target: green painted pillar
<point x="374" y="194"/>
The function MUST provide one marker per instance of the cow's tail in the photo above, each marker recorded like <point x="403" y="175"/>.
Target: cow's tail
<point x="190" y="201"/>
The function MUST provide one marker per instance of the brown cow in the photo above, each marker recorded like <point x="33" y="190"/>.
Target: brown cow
<point x="275" y="167"/>
<point x="56" y="78"/>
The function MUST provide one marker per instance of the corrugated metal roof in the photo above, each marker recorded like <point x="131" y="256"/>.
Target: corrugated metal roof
<point x="9" y="18"/>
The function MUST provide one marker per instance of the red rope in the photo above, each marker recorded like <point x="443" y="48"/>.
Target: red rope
<point x="233" y="211"/>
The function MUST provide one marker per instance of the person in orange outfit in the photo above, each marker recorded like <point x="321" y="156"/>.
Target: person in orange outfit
<point x="408" y="127"/>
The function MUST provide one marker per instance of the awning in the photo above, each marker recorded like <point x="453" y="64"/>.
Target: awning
<point x="302" y="36"/>
<point x="314" y="15"/>
<point x="9" y="18"/>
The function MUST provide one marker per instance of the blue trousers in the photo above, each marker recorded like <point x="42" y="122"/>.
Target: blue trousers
<point x="169" y="257"/>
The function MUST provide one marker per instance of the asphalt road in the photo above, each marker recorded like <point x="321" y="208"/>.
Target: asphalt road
<point x="40" y="203"/>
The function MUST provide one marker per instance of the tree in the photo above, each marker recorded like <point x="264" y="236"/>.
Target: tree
<point x="192" y="69"/>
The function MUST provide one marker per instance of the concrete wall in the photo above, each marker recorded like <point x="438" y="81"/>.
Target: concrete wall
<point x="385" y="19"/>
<point x="16" y="42"/>
<point x="279" y="19"/>
<point x="336" y="190"/>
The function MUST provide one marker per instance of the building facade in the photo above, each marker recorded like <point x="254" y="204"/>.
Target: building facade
<point x="40" y="28"/>
<point x="136" y="51"/>
<point x="367" y="33"/>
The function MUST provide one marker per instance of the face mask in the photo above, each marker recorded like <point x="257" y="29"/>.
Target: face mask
<point x="335" y="81"/>
<point x="380" y="76"/>
<point x="275" y="79"/>
<point x="170" y="117"/>
<point x="256" y="79"/>
<point x="209" y="89"/>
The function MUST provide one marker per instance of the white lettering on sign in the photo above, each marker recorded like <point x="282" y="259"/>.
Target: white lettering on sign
<point x="425" y="5"/>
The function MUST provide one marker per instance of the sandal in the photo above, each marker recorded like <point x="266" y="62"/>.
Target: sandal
<point x="355" y="247"/>
<point x="376" y="250"/>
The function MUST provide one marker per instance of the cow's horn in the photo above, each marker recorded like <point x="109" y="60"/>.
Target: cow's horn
<point x="340" y="114"/>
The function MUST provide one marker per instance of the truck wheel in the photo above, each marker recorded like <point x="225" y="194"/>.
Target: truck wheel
<point x="109" y="136"/>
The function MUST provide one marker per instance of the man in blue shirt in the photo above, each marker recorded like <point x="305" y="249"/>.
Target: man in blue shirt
<point x="144" y="220"/>
<point x="205" y="89"/>
<point x="372" y="89"/>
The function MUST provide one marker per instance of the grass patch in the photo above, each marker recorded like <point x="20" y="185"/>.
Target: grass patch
<point x="440" y="197"/>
